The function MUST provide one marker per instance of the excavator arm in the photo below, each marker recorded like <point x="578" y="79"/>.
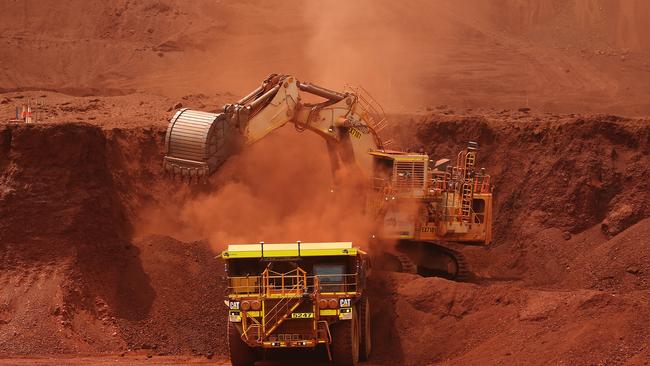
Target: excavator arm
<point x="425" y="212"/>
<point x="197" y="143"/>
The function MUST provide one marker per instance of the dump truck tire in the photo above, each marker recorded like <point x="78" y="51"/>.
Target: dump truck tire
<point x="240" y="353"/>
<point x="345" y="341"/>
<point x="365" y="344"/>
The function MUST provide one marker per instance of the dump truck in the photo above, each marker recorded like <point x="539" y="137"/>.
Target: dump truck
<point x="425" y="211"/>
<point x="297" y="296"/>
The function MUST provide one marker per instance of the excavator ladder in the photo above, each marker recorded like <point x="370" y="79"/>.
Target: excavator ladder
<point x="467" y="190"/>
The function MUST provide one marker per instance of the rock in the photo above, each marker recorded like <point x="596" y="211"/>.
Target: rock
<point x="524" y="109"/>
<point x="632" y="269"/>
<point x="566" y="235"/>
<point x="619" y="219"/>
<point x="178" y="106"/>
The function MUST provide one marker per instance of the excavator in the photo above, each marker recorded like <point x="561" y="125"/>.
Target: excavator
<point x="424" y="210"/>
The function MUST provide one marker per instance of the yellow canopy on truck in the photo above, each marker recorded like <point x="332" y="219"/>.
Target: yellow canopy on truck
<point x="298" y="249"/>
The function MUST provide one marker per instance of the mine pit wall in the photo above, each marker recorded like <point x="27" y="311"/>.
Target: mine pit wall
<point x="69" y="194"/>
<point x="73" y="278"/>
<point x="57" y="187"/>
<point x="556" y="179"/>
<point x="64" y="228"/>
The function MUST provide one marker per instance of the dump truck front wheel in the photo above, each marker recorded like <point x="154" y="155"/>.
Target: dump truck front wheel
<point x="345" y="341"/>
<point x="365" y="344"/>
<point x="240" y="353"/>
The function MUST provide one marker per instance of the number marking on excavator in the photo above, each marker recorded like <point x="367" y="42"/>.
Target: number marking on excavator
<point x="355" y="133"/>
<point x="302" y="315"/>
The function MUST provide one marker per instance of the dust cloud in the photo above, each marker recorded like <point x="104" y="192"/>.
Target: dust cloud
<point x="359" y="43"/>
<point x="278" y="190"/>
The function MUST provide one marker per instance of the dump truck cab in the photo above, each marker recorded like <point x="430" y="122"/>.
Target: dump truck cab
<point x="297" y="295"/>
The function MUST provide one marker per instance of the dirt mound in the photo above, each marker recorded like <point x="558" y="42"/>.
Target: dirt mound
<point x="187" y="312"/>
<point x="508" y="324"/>
<point x="619" y="264"/>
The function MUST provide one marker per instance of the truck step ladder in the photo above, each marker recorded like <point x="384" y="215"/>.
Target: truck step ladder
<point x="291" y="287"/>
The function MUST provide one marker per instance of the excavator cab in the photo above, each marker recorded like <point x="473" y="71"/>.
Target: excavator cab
<point x="400" y="174"/>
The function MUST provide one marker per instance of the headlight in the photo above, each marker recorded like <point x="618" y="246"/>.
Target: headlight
<point x="245" y="305"/>
<point x="255" y="305"/>
<point x="332" y="303"/>
<point x="322" y="303"/>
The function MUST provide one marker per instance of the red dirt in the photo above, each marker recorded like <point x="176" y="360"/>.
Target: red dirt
<point x="100" y="255"/>
<point x="559" y="56"/>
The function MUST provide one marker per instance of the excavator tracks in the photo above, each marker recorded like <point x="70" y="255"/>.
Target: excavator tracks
<point x="430" y="259"/>
<point x="396" y="262"/>
<point x="462" y="272"/>
<point x="406" y="264"/>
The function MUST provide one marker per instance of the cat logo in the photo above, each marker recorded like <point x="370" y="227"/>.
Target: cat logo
<point x="345" y="303"/>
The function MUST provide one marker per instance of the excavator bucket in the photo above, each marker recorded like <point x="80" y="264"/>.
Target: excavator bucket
<point x="197" y="143"/>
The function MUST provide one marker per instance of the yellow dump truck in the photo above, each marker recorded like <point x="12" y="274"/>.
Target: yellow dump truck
<point x="297" y="295"/>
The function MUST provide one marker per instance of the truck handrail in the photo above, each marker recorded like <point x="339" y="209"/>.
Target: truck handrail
<point x="290" y="286"/>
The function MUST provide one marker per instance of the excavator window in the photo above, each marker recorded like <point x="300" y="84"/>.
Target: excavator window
<point x="383" y="172"/>
<point x="478" y="206"/>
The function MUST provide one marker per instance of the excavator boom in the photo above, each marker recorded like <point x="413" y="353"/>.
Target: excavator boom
<point x="197" y="143"/>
